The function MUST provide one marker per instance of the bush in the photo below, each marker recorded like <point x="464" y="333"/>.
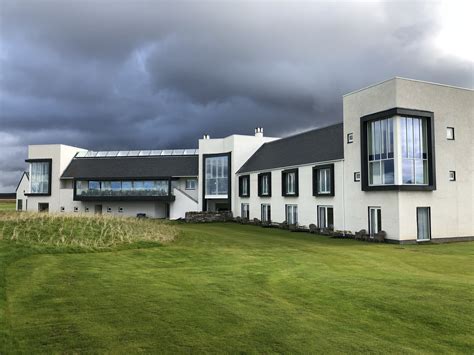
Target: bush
<point x="91" y="232"/>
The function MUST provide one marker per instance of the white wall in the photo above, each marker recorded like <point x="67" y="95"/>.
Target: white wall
<point x="307" y="203"/>
<point x="23" y="187"/>
<point x="182" y="204"/>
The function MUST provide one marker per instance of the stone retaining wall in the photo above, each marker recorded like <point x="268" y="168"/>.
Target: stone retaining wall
<point x="208" y="217"/>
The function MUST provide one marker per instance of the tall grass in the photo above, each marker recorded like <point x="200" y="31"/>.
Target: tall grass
<point x="90" y="232"/>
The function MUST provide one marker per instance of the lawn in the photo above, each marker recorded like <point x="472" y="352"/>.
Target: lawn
<point x="234" y="288"/>
<point x="7" y="205"/>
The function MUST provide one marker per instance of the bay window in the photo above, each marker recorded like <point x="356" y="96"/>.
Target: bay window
<point x="397" y="150"/>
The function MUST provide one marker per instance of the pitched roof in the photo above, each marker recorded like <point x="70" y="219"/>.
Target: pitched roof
<point x="25" y="173"/>
<point x="132" y="167"/>
<point x="317" y="145"/>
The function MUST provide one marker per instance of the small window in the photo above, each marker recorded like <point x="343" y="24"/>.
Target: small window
<point x="245" y="210"/>
<point x="120" y="209"/>
<point x="452" y="175"/>
<point x="350" y="138"/>
<point x="266" y="213"/>
<point x="20" y="205"/>
<point x="326" y="217"/>
<point x="191" y="184"/>
<point x="357" y="176"/>
<point x="323" y="180"/>
<point x="109" y="209"/>
<point x="450" y="133"/>
<point x="86" y="209"/>
<point x="375" y="220"/>
<point x="244" y="186"/>
<point x="62" y="209"/>
<point x="290" y="182"/>
<point x="76" y="209"/>
<point x="291" y="214"/>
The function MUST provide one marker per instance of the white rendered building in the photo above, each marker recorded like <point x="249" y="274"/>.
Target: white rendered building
<point x="401" y="161"/>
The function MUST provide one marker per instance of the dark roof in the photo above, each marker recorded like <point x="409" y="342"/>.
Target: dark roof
<point x="318" y="145"/>
<point x="132" y="167"/>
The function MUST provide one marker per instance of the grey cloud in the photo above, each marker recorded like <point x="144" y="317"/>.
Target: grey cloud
<point x="147" y="74"/>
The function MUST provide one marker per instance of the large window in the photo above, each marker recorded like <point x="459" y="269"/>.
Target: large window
<point x="290" y="182"/>
<point x="40" y="177"/>
<point x="266" y="213"/>
<point x="122" y="188"/>
<point x="381" y="152"/>
<point x="397" y="150"/>
<point x="323" y="180"/>
<point x="326" y="217"/>
<point x="217" y="181"/>
<point x="264" y="184"/>
<point x="291" y="214"/>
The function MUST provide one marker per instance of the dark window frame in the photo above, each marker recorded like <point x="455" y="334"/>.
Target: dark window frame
<point x="454" y="175"/>
<point x="50" y="161"/>
<point x="229" y="175"/>
<point x="355" y="176"/>
<point x="350" y="138"/>
<point x="454" y="134"/>
<point x="316" y="180"/>
<point x="283" y="183"/>
<point x="244" y="179"/>
<point x="417" y="231"/>
<point x="260" y="177"/>
<point x="403" y="112"/>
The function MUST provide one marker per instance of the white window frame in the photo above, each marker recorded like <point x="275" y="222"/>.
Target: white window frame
<point x="191" y="184"/>
<point x="265" y="185"/>
<point x="378" y="221"/>
<point x="325" y="209"/>
<point x="324" y="181"/>
<point x="245" y="181"/>
<point x="290" y="183"/>
<point x="266" y="212"/>
<point x="245" y="210"/>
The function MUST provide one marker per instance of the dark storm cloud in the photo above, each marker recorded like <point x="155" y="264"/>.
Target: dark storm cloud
<point x="140" y="74"/>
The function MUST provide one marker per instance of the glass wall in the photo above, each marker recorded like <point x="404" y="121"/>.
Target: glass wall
<point x="413" y="136"/>
<point x="217" y="180"/>
<point x="39" y="173"/>
<point x="380" y="140"/>
<point x="122" y="188"/>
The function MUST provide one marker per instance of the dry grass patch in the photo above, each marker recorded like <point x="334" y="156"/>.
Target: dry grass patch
<point x="90" y="232"/>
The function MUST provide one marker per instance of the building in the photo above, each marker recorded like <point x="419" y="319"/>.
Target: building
<point x="401" y="161"/>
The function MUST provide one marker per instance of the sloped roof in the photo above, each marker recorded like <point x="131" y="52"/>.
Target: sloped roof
<point x="317" y="145"/>
<point x="132" y="167"/>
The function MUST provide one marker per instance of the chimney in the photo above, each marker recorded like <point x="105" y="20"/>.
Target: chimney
<point x="206" y="136"/>
<point x="259" y="132"/>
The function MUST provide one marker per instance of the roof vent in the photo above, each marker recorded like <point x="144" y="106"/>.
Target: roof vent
<point x="259" y="132"/>
<point x="206" y="136"/>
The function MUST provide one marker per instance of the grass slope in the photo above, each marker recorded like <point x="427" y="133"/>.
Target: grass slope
<point x="233" y="288"/>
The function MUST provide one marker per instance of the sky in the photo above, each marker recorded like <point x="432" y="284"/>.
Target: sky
<point x="118" y="75"/>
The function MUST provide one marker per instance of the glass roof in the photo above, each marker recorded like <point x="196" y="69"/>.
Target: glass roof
<point x="135" y="153"/>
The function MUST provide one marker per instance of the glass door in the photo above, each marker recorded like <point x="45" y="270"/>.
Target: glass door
<point x="423" y="219"/>
<point x="375" y="220"/>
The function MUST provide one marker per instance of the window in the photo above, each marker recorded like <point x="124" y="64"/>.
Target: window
<point x="217" y="182"/>
<point x="245" y="210"/>
<point x="191" y="184"/>
<point x="323" y="180"/>
<point x="43" y="207"/>
<point x="40" y="177"/>
<point x="350" y="138"/>
<point x="266" y="213"/>
<point x="423" y="221"/>
<point x="375" y="220"/>
<point x="120" y="209"/>
<point x="398" y="150"/>
<point x="244" y="186"/>
<point x="450" y="133"/>
<point x="122" y="188"/>
<point x="265" y="184"/>
<point x="290" y="182"/>
<point x="20" y="205"/>
<point x="380" y="152"/>
<point x="452" y="176"/>
<point x="326" y="217"/>
<point x="291" y="214"/>
<point x="357" y="176"/>
<point x="76" y="209"/>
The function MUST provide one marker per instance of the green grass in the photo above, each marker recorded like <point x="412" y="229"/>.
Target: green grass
<point x="233" y="288"/>
<point x="7" y="205"/>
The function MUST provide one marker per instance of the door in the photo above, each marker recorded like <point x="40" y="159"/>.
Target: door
<point x="43" y="207"/>
<point x="423" y="220"/>
<point x="375" y="220"/>
<point x="98" y="209"/>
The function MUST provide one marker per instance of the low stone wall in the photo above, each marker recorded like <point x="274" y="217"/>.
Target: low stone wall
<point x="208" y="217"/>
